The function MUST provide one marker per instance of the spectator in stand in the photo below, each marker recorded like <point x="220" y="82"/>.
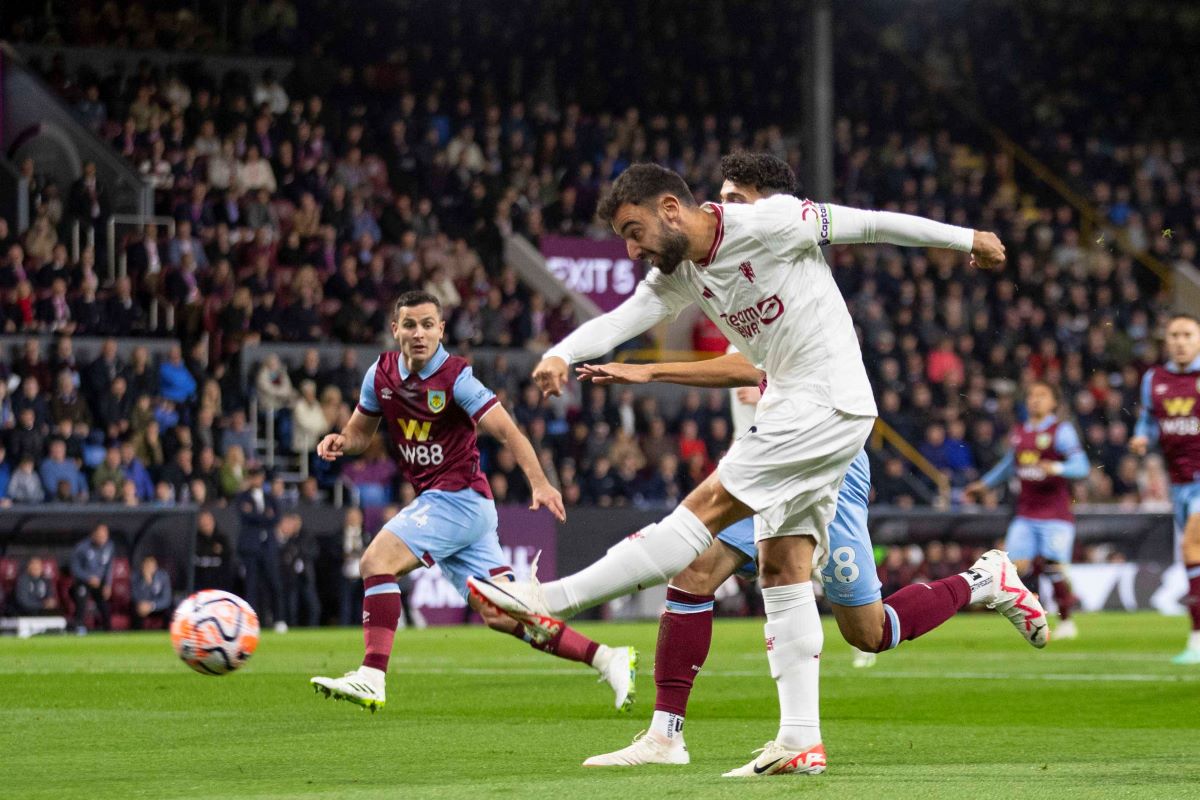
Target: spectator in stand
<point x="68" y="403"/>
<point x="25" y="486"/>
<point x="309" y="422"/>
<point x="353" y="545"/>
<point x="135" y="471"/>
<point x="35" y="592"/>
<point x="258" y="549"/>
<point x="175" y="380"/>
<point x="57" y="469"/>
<point x="276" y="395"/>
<point x="213" y="559"/>
<point x="91" y="573"/>
<point x="151" y="594"/>
<point x="297" y="553"/>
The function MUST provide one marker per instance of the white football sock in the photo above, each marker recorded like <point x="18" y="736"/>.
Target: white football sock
<point x="604" y="654"/>
<point x="981" y="583"/>
<point x="667" y="725"/>
<point x="794" y="641"/>
<point x="1193" y="640"/>
<point x="649" y="557"/>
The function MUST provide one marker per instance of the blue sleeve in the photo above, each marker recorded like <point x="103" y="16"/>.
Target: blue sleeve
<point x="368" y="401"/>
<point x="1146" y="424"/>
<point x="1066" y="442"/>
<point x="471" y="395"/>
<point x="1001" y="472"/>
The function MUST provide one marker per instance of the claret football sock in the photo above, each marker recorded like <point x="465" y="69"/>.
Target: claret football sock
<point x="381" y="615"/>
<point x="917" y="609"/>
<point x="684" y="637"/>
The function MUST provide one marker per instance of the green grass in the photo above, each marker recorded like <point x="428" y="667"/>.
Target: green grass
<point x="970" y="711"/>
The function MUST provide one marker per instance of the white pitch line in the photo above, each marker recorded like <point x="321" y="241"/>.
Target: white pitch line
<point x="865" y="674"/>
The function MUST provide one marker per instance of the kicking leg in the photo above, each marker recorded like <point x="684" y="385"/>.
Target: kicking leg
<point x="646" y="558"/>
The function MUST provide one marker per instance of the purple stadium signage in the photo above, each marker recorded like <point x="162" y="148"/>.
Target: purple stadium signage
<point x="597" y="268"/>
<point x="522" y="534"/>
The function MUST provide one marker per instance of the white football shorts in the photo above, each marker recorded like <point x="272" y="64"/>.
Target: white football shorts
<point x="789" y="467"/>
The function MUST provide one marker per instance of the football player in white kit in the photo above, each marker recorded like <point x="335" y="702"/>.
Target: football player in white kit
<point x="869" y="622"/>
<point x="758" y="272"/>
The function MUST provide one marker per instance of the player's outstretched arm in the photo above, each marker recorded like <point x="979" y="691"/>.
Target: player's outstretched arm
<point x="497" y="423"/>
<point x="353" y="439"/>
<point x="645" y="308"/>
<point x="856" y="226"/>
<point x="724" y="372"/>
<point x="994" y="477"/>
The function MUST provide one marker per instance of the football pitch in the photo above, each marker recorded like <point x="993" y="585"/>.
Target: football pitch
<point x="968" y="711"/>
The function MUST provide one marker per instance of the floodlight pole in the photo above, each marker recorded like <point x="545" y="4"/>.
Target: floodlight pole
<point x="819" y="114"/>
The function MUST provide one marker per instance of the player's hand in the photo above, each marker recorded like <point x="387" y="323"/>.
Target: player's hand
<point x="332" y="447"/>
<point x="546" y="495"/>
<point x="1050" y="468"/>
<point x="974" y="489"/>
<point x="608" y="374"/>
<point x="1138" y="445"/>
<point x="550" y="375"/>
<point x="987" y="251"/>
<point x="749" y="395"/>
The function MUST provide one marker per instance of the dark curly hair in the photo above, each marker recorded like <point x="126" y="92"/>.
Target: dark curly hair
<point x="640" y="184"/>
<point x="760" y="171"/>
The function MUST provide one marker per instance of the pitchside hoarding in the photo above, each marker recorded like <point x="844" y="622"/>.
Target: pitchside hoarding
<point x="597" y="268"/>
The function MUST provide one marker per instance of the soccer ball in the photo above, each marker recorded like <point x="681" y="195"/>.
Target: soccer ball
<point x="214" y="632"/>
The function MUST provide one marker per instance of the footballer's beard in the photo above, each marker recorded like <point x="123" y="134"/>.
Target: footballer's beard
<point x="673" y="251"/>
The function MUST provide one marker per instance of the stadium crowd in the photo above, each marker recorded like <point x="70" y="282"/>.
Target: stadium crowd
<point x="392" y="160"/>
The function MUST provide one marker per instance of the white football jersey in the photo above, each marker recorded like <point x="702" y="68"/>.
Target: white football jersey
<point x="766" y="285"/>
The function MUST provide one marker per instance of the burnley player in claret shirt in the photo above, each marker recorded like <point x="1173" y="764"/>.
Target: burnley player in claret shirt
<point x="1046" y="455"/>
<point x="1171" y="417"/>
<point x="431" y="405"/>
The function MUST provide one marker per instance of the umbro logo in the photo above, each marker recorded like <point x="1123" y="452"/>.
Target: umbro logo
<point x="1160" y="388"/>
<point x="386" y="394"/>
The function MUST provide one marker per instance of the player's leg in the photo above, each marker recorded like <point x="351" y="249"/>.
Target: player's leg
<point x="794" y="641"/>
<point x="1056" y="542"/>
<point x="684" y="636"/>
<point x="1188" y="507"/>
<point x="1021" y="544"/>
<point x="646" y="558"/>
<point x="390" y="553"/>
<point x="616" y="666"/>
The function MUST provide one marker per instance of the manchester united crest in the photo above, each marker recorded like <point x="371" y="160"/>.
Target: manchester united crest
<point x="437" y="400"/>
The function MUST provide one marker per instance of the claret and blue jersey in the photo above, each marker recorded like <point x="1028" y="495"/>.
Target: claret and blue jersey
<point x="1170" y="415"/>
<point x="430" y="418"/>
<point x="1044" y="524"/>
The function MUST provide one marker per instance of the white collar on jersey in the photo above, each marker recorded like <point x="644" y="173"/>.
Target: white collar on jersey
<point x="1192" y="367"/>
<point x="431" y="366"/>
